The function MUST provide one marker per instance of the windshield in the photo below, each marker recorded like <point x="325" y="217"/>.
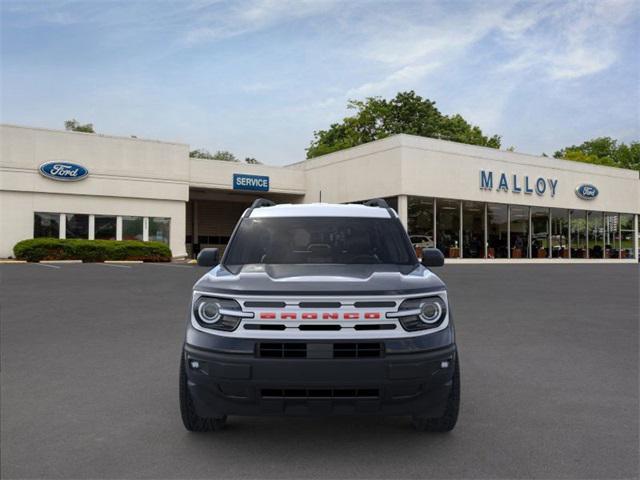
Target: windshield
<point x="315" y="240"/>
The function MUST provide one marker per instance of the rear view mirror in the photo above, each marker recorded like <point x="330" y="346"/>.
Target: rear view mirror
<point x="432" y="257"/>
<point x="208" y="257"/>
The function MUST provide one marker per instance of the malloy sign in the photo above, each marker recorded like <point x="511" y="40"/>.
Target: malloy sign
<point x="514" y="183"/>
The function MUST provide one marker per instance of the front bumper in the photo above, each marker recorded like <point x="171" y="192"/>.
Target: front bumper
<point x="227" y="382"/>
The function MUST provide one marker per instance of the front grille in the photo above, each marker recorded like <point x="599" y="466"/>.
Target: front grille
<point x="319" y="327"/>
<point x="320" y="350"/>
<point x="357" y="350"/>
<point x="320" y="393"/>
<point x="283" y="350"/>
<point x="264" y="326"/>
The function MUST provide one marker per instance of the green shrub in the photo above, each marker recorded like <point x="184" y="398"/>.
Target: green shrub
<point x="36" y="249"/>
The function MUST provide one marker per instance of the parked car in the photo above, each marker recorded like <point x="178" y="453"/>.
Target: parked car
<point x="422" y="241"/>
<point x="319" y="310"/>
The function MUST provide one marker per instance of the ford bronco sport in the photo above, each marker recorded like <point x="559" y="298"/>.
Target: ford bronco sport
<point x="319" y="309"/>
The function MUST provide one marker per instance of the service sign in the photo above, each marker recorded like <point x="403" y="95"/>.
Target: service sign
<point x="586" y="191"/>
<point x="250" y="182"/>
<point x="63" y="171"/>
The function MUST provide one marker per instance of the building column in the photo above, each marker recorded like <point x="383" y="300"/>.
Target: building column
<point x="63" y="225"/>
<point x="635" y="236"/>
<point x="569" y="233"/>
<point x="486" y="231"/>
<point x="92" y="227"/>
<point x="145" y="229"/>
<point x="118" y="227"/>
<point x="403" y="210"/>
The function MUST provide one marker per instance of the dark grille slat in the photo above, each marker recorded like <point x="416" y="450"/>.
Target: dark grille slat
<point x="374" y="304"/>
<point x="306" y="393"/>
<point x="256" y="304"/>
<point x="340" y="350"/>
<point x="320" y="305"/>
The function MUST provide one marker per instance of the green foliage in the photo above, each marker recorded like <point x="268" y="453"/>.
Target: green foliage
<point x="604" y="151"/>
<point x="75" y="126"/>
<point x="36" y="249"/>
<point x="201" y="153"/>
<point x="223" y="155"/>
<point x="252" y="161"/>
<point x="377" y="118"/>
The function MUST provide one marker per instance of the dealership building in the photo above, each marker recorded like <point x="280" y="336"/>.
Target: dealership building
<point x="471" y="202"/>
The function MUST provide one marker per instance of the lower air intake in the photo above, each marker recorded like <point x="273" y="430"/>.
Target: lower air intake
<point x="307" y="393"/>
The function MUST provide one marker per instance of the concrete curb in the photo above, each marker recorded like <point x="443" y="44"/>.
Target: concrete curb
<point x="9" y="262"/>
<point x="123" y="261"/>
<point x="537" y="261"/>
<point x="60" y="261"/>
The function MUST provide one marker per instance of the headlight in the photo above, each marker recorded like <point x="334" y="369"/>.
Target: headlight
<point x="209" y="312"/>
<point x="422" y="313"/>
<point x="217" y="313"/>
<point x="430" y="311"/>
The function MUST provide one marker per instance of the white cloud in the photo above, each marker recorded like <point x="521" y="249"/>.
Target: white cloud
<point x="564" y="41"/>
<point x="251" y="16"/>
<point x="400" y="79"/>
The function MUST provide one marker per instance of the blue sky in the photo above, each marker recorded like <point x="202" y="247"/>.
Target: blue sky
<point x="258" y="77"/>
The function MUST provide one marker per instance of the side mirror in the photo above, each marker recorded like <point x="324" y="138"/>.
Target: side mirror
<point x="208" y="257"/>
<point x="432" y="257"/>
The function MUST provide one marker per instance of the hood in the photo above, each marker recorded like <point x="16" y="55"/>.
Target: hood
<point x="263" y="279"/>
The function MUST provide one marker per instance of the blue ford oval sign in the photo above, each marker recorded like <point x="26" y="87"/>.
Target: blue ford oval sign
<point x="586" y="191"/>
<point x="63" y="171"/>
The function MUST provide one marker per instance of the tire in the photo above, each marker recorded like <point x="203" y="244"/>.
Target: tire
<point x="190" y="418"/>
<point x="448" y="420"/>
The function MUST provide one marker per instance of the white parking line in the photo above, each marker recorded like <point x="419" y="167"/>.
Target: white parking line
<point x="171" y="265"/>
<point x="47" y="265"/>
<point x="113" y="265"/>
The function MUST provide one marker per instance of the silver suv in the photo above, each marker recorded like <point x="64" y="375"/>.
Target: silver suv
<point x="319" y="309"/>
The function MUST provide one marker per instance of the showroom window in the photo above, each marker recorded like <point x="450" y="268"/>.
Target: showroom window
<point x="132" y="228"/>
<point x="578" y="234"/>
<point x="420" y="221"/>
<point x="448" y="227"/>
<point x="159" y="229"/>
<point x="46" y="225"/>
<point x="106" y="227"/>
<point x="596" y="234"/>
<point x="560" y="233"/>
<point x="611" y="235"/>
<point x="77" y="226"/>
<point x="519" y="231"/>
<point x="626" y="236"/>
<point x="539" y="232"/>
<point x="473" y="230"/>
<point x="497" y="231"/>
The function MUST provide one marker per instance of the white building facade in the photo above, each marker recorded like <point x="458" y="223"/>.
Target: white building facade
<point x="471" y="202"/>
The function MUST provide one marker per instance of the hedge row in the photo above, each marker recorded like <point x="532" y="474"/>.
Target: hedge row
<point x="37" y="249"/>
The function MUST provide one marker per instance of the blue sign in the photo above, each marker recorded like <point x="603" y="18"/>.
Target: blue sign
<point x="518" y="183"/>
<point x="63" y="171"/>
<point x="586" y="191"/>
<point x="250" y="182"/>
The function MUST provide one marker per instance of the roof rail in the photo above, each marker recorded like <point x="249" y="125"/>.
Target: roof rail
<point x="258" y="203"/>
<point x="376" y="202"/>
<point x="261" y="202"/>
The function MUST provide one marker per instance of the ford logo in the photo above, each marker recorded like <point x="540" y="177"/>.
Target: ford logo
<point x="586" y="191"/>
<point x="64" y="171"/>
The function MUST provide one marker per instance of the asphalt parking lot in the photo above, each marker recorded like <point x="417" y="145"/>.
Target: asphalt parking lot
<point x="89" y="380"/>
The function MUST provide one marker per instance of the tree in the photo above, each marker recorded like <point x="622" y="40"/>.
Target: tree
<point x="219" y="155"/>
<point x="252" y="161"/>
<point x="604" y="151"/>
<point x="75" y="126"/>
<point x="377" y="118"/>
